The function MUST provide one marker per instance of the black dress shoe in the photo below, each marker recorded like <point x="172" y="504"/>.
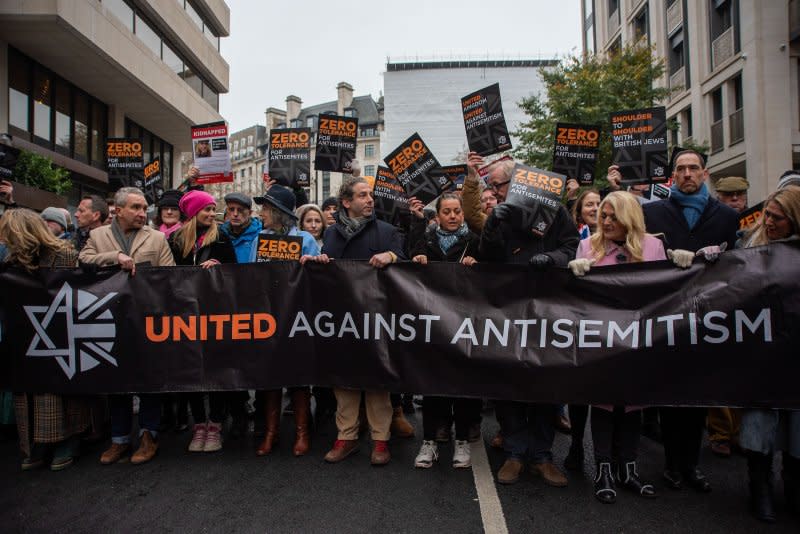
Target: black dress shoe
<point x="628" y="475"/>
<point x="673" y="479"/>
<point x="697" y="480"/>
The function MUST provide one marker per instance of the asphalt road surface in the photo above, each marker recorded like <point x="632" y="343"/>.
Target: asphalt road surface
<point x="235" y="491"/>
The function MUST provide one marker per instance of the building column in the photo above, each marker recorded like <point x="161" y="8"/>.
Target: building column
<point x="3" y="87"/>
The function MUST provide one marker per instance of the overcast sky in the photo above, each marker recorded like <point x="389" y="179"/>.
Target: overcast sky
<point x="306" y="47"/>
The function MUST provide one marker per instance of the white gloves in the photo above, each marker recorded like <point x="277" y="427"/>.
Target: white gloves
<point x="580" y="266"/>
<point x="681" y="258"/>
<point x="712" y="252"/>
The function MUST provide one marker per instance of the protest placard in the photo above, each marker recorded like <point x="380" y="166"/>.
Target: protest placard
<point x="416" y="169"/>
<point x="274" y="247"/>
<point x="336" y="143"/>
<point x="639" y="145"/>
<point x="576" y="149"/>
<point x="750" y="217"/>
<point x="124" y="154"/>
<point x="389" y="196"/>
<point x="485" y="122"/>
<point x="456" y="174"/>
<point x="538" y="194"/>
<point x="290" y="156"/>
<point x="212" y="156"/>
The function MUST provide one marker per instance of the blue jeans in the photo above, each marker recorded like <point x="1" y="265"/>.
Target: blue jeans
<point x="770" y="431"/>
<point x="528" y="430"/>
<point x="121" y="408"/>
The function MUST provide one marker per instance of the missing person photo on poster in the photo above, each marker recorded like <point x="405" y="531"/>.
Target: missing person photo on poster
<point x="212" y="156"/>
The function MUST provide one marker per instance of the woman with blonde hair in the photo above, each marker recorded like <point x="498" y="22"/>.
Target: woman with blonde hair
<point x="620" y="238"/>
<point x="48" y="424"/>
<point x="199" y="242"/>
<point x="766" y="431"/>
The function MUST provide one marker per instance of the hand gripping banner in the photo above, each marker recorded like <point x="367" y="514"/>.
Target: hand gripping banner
<point x="724" y="333"/>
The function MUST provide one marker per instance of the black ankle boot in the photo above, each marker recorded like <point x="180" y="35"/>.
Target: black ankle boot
<point x="791" y="483"/>
<point x="574" y="459"/>
<point x="628" y="475"/>
<point x="759" y="469"/>
<point x="604" y="489"/>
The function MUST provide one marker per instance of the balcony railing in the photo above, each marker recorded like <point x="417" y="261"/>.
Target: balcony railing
<point x="674" y="16"/>
<point x="613" y="23"/>
<point x="717" y="137"/>
<point x="736" y="125"/>
<point x="722" y="48"/>
<point x="678" y="79"/>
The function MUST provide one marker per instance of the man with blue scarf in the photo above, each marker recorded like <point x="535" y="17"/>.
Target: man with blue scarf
<point x="690" y="220"/>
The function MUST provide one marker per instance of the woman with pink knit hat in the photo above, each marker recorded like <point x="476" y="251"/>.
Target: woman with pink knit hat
<point x="199" y="242"/>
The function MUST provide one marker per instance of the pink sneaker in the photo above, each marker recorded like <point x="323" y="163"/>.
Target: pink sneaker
<point x="213" y="438"/>
<point x="198" y="442"/>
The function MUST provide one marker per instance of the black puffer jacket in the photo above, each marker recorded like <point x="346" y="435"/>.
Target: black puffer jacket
<point x="502" y="243"/>
<point x="220" y="250"/>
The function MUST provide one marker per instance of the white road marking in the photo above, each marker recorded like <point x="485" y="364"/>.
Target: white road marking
<point x="494" y="522"/>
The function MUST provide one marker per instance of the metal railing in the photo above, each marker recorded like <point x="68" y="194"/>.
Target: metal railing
<point x="736" y="126"/>
<point x="722" y="48"/>
<point x="678" y="79"/>
<point x="674" y="16"/>
<point x="717" y="137"/>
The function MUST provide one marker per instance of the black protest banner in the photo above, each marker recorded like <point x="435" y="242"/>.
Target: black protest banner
<point x="290" y="156"/>
<point x="274" y="247"/>
<point x="750" y="217"/>
<point x="484" y="121"/>
<point x="639" y="145"/>
<point x="576" y="149"/>
<point x="336" y="143"/>
<point x="626" y="334"/>
<point x="389" y="196"/>
<point x="152" y="182"/>
<point x="538" y="194"/>
<point x="124" y="154"/>
<point x="415" y="167"/>
<point x="456" y="174"/>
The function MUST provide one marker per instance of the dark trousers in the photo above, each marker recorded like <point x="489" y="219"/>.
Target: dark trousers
<point x="616" y="434"/>
<point x="121" y="408"/>
<point x="578" y="413"/>
<point x="441" y="410"/>
<point x="216" y="407"/>
<point x="682" y="431"/>
<point x="528" y="429"/>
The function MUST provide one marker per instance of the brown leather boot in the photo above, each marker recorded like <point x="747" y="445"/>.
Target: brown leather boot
<point x="400" y="425"/>
<point x="272" y="408"/>
<point x="302" y="411"/>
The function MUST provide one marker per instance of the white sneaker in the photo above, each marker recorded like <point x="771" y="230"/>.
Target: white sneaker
<point x="428" y="453"/>
<point x="462" y="454"/>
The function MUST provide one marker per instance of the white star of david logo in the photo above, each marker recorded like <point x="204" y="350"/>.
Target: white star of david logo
<point x="87" y="342"/>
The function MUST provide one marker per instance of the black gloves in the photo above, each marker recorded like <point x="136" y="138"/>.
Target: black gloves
<point x="540" y="262"/>
<point x="504" y="212"/>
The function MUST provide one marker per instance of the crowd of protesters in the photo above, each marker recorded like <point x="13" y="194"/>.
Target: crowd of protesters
<point x="595" y="228"/>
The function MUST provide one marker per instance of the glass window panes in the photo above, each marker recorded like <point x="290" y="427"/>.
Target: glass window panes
<point x="80" y="133"/>
<point x="369" y="170"/>
<point x="192" y="80"/>
<point x="211" y="96"/>
<point x="194" y="15"/>
<point x="42" y="99"/>
<point x="19" y="89"/>
<point x="172" y="59"/>
<point x="122" y="11"/>
<point x="148" y="36"/>
<point x="63" y="108"/>
<point x="369" y="150"/>
<point x="99" y="128"/>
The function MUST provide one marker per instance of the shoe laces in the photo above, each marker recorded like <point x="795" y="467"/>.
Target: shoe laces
<point x="428" y="448"/>
<point x="381" y="446"/>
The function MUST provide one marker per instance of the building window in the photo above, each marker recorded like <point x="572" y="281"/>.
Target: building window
<point x="641" y="25"/>
<point x="249" y="139"/>
<point x="723" y="21"/>
<point x="369" y="170"/>
<point x="615" y="47"/>
<point x="63" y="105"/>
<point x="42" y="96"/>
<point x="717" y="132"/>
<point x="19" y="90"/>
<point x="368" y="132"/>
<point x="736" y="118"/>
<point x="295" y="123"/>
<point x="369" y="151"/>
<point x="250" y="173"/>
<point x="148" y="36"/>
<point x="236" y="145"/>
<point x="241" y="173"/>
<point x="172" y="59"/>
<point x="349" y="112"/>
<point x="310" y="122"/>
<point x="676" y="53"/>
<point x="155" y="147"/>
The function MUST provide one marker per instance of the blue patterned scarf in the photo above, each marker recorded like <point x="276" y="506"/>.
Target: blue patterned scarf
<point x="448" y="239"/>
<point x="693" y="205"/>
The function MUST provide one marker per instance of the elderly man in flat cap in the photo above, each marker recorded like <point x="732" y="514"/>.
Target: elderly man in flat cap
<point x="732" y="191"/>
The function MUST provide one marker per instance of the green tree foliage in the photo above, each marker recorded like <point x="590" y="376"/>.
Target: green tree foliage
<point x="38" y="171"/>
<point x="587" y="89"/>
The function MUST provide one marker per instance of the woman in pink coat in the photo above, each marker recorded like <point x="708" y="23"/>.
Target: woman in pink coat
<point x="620" y="238"/>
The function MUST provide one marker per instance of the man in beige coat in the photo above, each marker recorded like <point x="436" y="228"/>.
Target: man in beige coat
<point x="126" y="242"/>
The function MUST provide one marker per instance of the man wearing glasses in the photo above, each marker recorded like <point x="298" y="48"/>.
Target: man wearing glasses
<point x="476" y="209"/>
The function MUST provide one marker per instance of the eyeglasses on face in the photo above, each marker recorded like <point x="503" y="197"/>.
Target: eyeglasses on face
<point x="495" y="186"/>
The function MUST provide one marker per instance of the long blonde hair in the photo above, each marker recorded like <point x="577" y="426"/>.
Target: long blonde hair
<point x="27" y="238"/>
<point x="629" y="214"/>
<point x="788" y="199"/>
<point x="186" y="237"/>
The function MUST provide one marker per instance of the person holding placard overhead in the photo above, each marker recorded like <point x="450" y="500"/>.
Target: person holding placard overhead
<point x="528" y="428"/>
